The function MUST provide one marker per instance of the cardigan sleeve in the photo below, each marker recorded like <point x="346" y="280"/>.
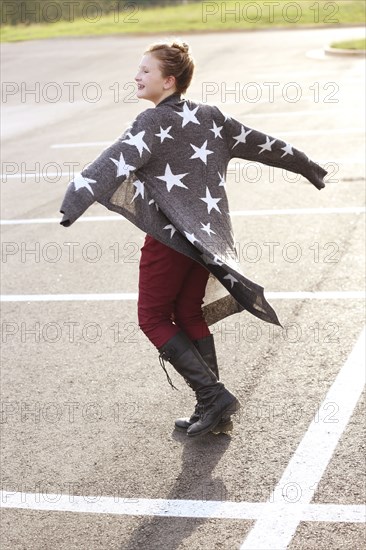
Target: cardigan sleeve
<point x="250" y="144"/>
<point x="99" y="179"/>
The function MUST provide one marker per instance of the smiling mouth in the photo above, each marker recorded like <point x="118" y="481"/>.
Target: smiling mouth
<point x="140" y="86"/>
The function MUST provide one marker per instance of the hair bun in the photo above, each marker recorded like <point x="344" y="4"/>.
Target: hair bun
<point x="182" y="46"/>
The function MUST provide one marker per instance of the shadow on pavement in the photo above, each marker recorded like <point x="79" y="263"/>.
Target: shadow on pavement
<point x="194" y="482"/>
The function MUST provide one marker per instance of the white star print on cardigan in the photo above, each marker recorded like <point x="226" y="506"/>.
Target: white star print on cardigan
<point x="166" y="174"/>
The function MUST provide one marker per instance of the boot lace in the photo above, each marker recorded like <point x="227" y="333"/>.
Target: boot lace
<point x="199" y="408"/>
<point x="161" y="360"/>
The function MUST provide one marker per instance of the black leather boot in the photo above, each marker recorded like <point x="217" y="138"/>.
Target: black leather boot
<point x="214" y="399"/>
<point x="206" y="348"/>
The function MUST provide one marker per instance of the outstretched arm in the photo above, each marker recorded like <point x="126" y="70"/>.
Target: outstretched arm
<point x="102" y="176"/>
<point x="250" y="144"/>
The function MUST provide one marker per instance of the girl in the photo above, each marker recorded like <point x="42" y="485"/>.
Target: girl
<point x="166" y="174"/>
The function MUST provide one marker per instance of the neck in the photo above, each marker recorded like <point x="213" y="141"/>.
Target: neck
<point x="165" y="96"/>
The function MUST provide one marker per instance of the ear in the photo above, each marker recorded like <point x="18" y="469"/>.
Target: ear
<point x="170" y="82"/>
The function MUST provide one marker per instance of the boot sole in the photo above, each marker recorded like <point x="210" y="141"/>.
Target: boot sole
<point x="229" y="411"/>
<point x="181" y="429"/>
<point x="219" y="429"/>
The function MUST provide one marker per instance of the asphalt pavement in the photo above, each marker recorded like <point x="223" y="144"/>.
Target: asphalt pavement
<point x="89" y="457"/>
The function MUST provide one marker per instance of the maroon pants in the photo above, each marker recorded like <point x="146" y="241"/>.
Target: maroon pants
<point x="171" y="287"/>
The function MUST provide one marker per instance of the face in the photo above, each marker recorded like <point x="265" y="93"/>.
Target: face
<point x="150" y="83"/>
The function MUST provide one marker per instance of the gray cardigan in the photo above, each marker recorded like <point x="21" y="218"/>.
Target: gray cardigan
<point x="166" y="174"/>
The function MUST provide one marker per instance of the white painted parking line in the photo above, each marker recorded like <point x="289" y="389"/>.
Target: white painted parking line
<point x="276" y="527"/>
<point x="333" y="513"/>
<point x="130" y="296"/>
<point x="81" y="144"/>
<point x="270" y="212"/>
<point x="57" y="220"/>
<point x="320" y="295"/>
<point x="127" y="296"/>
<point x="296" y="211"/>
<point x="173" y="508"/>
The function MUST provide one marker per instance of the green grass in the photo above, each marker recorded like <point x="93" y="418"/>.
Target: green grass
<point x="351" y="44"/>
<point x="190" y="17"/>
